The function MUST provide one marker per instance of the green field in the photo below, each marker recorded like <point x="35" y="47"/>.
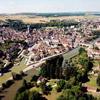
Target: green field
<point x="15" y="68"/>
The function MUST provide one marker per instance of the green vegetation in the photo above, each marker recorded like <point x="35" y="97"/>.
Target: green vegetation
<point x="20" y="26"/>
<point x="15" y="68"/>
<point x="52" y="68"/>
<point x="92" y="81"/>
<point x="75" y="93"/>
<point x="66" y="80"/>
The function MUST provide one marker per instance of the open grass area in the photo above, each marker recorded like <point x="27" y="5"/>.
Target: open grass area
<point x="71" y="54"/>
<point x="92" y="81"/>
<point x="15" y="68"/>
<point x="42" y="19"/>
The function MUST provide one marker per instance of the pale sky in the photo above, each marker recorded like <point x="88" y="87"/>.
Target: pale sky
<point x="46" y="6"/>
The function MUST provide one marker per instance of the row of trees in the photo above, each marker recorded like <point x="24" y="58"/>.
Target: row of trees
<point x="21" y="26"/>
<point x="52" y="68"/>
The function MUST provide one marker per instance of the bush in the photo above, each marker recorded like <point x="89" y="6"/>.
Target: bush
<point x="49" y="88"/>
<point x="22" y="96"/>
<point x="16" y="76"/>
<point x="98" y="80"/>
<point x="34" y="78"/>
<point x="58" y="89"/>
<point x="3" y="85"/>
<point x="9" y="83"/>
<point x="35" y="96"/>
<point x="22" y="73"/>
<point x="21" y="89"/>
<point x="67" y="85"/>
<point x="60" y="85"/>
<point x="98" y="90"/>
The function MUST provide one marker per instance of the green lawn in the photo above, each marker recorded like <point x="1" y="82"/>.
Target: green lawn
<point x="15" y="68"/>
<point x="92" y="82"/>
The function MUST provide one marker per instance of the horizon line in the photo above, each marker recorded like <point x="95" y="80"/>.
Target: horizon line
<point x="52" y="12"/>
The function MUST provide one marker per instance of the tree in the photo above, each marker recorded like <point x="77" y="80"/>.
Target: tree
<point x="22" y="96"/>
<point x="16" y="76"/>
<point x="60" y="85"/>
<point x="34" y="77"/>
<point x="25" y="84"/>
<point x="43" y="71"/>
<point x="75" y="93"/>
<point x="52" y="68"/>
<point x="69" y="72"/>
<point x="81" y="50"/>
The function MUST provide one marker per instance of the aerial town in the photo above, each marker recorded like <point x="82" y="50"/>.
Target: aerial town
<point x="37" y="45"/>
<point x="48" y="41"/>
<point x="50" y="50"/>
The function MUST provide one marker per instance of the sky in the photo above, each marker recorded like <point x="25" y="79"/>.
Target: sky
<point x="47" y="6"/>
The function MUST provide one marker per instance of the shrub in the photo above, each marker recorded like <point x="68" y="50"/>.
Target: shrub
<point x="34" y="78"/>
<point x="22" y="73"/>
<point x="9" y="83"/>
<point x="67" y="85"/>
<point x="35" y="96"/>
<point x="60" y="85"/>
<point x="58" y="89"/>
<point x="98" y="80"/>
<point x="49" y="88"/>
<point x="98" y="89"/>
<point x="3" y="85"/>
<point x="21" y="89"/>
<point x="16" y="76"/>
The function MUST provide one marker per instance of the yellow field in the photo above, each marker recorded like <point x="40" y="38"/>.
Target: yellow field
<point x="41" y="19"/>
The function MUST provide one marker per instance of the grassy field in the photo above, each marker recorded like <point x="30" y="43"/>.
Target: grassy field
<point x="9" y="93"/>
<point x="15" y="68"/>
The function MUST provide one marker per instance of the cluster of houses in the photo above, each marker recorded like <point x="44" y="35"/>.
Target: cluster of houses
<point x="48" y="41"/>
<point x="94" y="50"/>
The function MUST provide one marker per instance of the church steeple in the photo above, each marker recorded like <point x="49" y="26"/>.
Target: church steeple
<point x="28" y="29"/>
